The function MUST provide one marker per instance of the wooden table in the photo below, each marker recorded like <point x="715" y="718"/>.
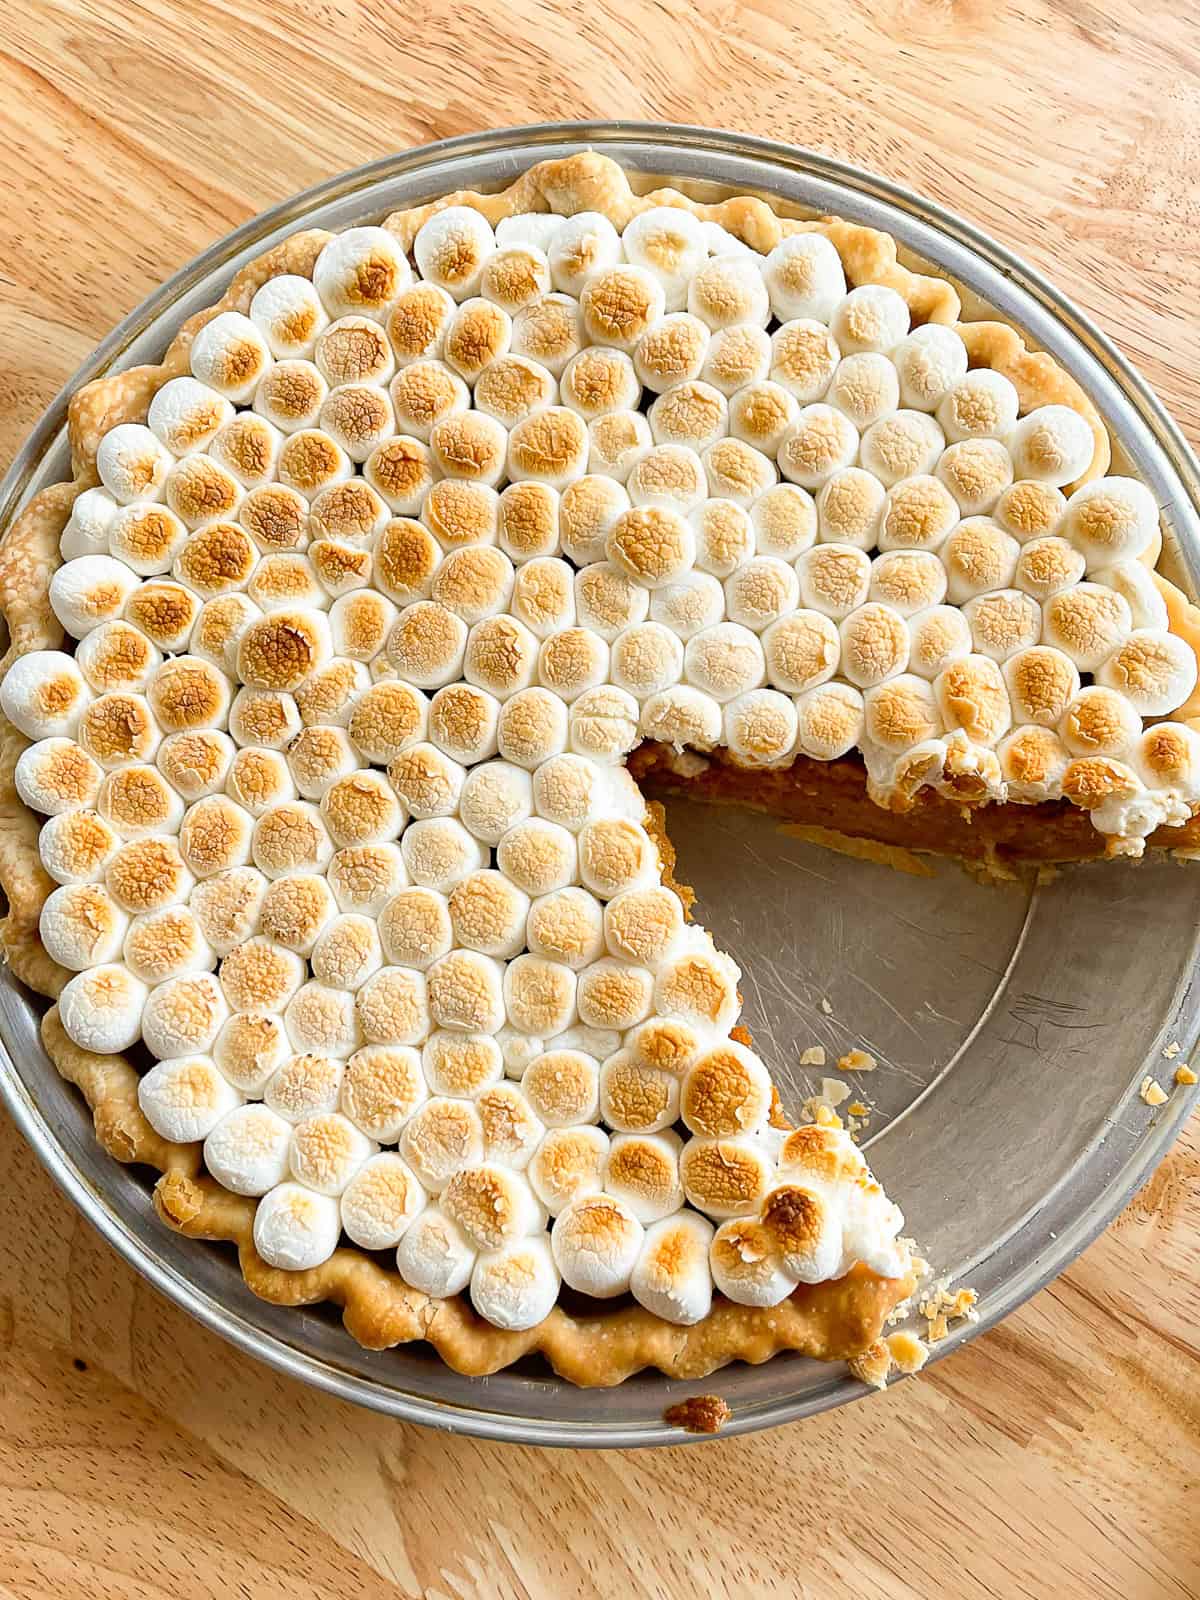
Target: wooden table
<point x="139" y="1456"/>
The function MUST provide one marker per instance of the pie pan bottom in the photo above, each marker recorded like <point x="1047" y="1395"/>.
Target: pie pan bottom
<point x="1015" y="1022"/>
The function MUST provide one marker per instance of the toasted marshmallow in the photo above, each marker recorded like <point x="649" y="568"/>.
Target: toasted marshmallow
<point x="669" y="477"/>
<point x="361" y="271"/>
<point x="295" y="1229"/>
<point x="461" y="1065"/>
<point x="359" y="624"/>
<point x="248" y="1050"/>
<point x="615" y="854"/>
<point x="870" y="317"/>
<point x="1154" y="671"/>
<point x="495" y="796"/>
<point x="976" y="472"/>
<point x="264" y="717"/>
<point x="511" y="1131"/>
<point x="905" y="444"/>
<point x="618" y="304"/>
<point x="981" y="405"/>
<point x="804" y="357"/>
<point x="726" y="1092"/>
<point x="699" y="986"/>
<point x="132" y="463"/>
<point x="86" y="592"/>
<point x="671" y="351"/>
<point x="260" y="975"/>
<point x="383" y="1086"/>
<point x="76" y="846"/>
<point x="1135" y="585"/>
<point x="804" y="277"/>
<point x="351" y="513"/>
<point x="1100" y="722"/>
<point x="217" y="559"/>
<point x="539" y="999"/>
<point x="801" y="651"/>
<point x="381" y="1200"/>
<point x="568" y="1165"/>
<point x="683" y="715"/>
<point x="185" y="1098"/>
<point x="167" y="943"/>
<point x="164" y="612"/>
<point x="353" y="350"/>
<point x="428" y="643"/>
<point x="1165" y="758"/>
<point x="596" y="1242"/>
<point x="1052" y="445"/>
<point x="689" y="605"/>
<point x="82" y="926"/>
<point x="515" y="276"/>
<point x="1004" y="622"/>
<point x="439" y="851"/>
<point x="394" y="1007"/>
<point x="746" y="1264"/>
<point x="400" y="471"/>
<point x="44" y="694"/>
<point x="866" y="387"/>
<point x="936" y="637"/>
<point x="387" y="719"/>
<point x="972" y="695"/>
<point x="636" y="1098"/>
<point x="617" y="442"/>
<point x="548" y="446"/>
<point x="644" y="926"/>
<point x="609" y="598"/>
<point x="227" y="905"/>
<point x="86" y="532"/>
<point x="761" y="414"/>
<point x="512" y="388"/>
<point x="249" y="448"/>
<point x="901" y="713"/>
<point x="543" y="596"/>
<point x="147" y="537"/>
<point x="230" y="355"/>
<point x="101" y="1009"/>
<point x="728" y="290"/>
<point x="417" y="322"/>
<point x="738" y="472"/>
<point x="477" y="334"/>
<point x="362" y="808"/>
<point x="324" y="1021"/>
<point x="528" y="521"/>
<point x="1041" y="684"/>
<point x="57" y="777"/>
<point x="365" y="877"/>
<point x="434" y="1256"/>
<point x="670" y="243"/>
<point x="643" y="1172"/>
<point x="979" y="556"/>
<point x="538" y="856"/>
<point x="219" y="626"/>
<point x="736" y="356"/>
<point x="493" y="1205"/>
<point x="516" y="1286"/>
<point x="612" y="994"/>
<point x="535" y="228"/>
<point x="186" y="693"/>
<point x="292" y="838"/>
<point x="572" y="791"/>
<point x="119" y="728"/>
<point x="465" y="992"/>
<point x="849" y="508"/>
<point x="671" y="1277"/>
<point x="147" y="875"/>
<point x="488" y="913"/>
<point x="326" y="1151"/>
<point x="1048" y="566"/>
<point x="550" y="332"/>
<point x="1033" y="761"/>
<point x="1111" y="520"/>
<point x="415" y="927"/>
<point x="930" y="362"/>
<point x="442" y="1137"/>
<point x="471" y="446"/>
<point x="691" y="414"/>
<point x="646" y="659"/>
<point x="760" y="592"/>
<point x="908" y="580"/>
<point x="290" y="396"/>
<point x="567" y="926"/>
<point x="261" y="779"/>
<point x="117" y="656"/>
<point x="726" y="1177"/>
<point x="313" y="458"/>
<point x="138" y="801"/>
<point x="287" y="311"/>
<point x="183" y="1016"/>
<point x="819" y="443"/>
<point x="462" y="722"/>
<point x="247" y="1151"/>
<point x="724" y="661"/>
<point x="760" y="728"/>
<point x="918" y="513"/>
<point x="452" y="248"/>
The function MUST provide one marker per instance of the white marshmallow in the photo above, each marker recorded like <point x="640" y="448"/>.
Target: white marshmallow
<point x="1052" y="445"/>
<point x="596" y="1242"/>
<point x="981" y="405"/>
<point x="230" y="355"/>
<point x="185" y="1098"/>
<point x="86" y="592"/>
<point x="295" y="1229"/>
<point x="75" y="846"/>
<point x="819" y="443"/>
<point x="287" y="311"/>
<point x="101" y="1009"/>
<point x="871" y="317"/>
<point x="249" y="1049"/>
<point x="1111" y="520"/>
<point x="434" y="1256"/>
<point x="517" y="1286"/>
<point x="326" y="1151"/>
<point x="304" y="1085"/>
<point x="538" y="856"/>
<point x="82" y="926"/>
<point x="724" y="661"/>
<point x="183" y="1016"/>
<point x="247" y="1151"/>
<point x="729" y="289"/>
<point x="568" y="1165"/>
<point x="382" y="1088"/>
<point x="363" y="270"/>
<point x="86" y="532"/>
<point x="43" y="693"/>
<point x="132" y="463"/>
<point x="672" y="1278"/>
<point x="1154" y="670"/>
<point x="746" y="1265"/>
<point x="736" y="355"/>
<point x="690" y="604"/>
<point x="866" y="387"/>
<point x="381" y="1201"/>
<point x="804" y="277"/>
<point x="441" y="1138"/>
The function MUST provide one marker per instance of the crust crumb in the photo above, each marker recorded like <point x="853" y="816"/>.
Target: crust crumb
<point x="826" y="1007"/>
<point x="1184" y="1076"/>
<point x="1151" y="1092"/>
<point x="703" y="1413"/>
<point x="909" y="1354"/>
<point x="1170" y="1051"/>
<point x="942" y="1306"/>
<point x="873" y="1365"/>
<point x="857" y="1061"/>
<point x="814" y="1056"/>
<point x="884" y="855"/>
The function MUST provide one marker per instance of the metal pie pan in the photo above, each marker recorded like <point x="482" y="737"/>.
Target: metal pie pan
<point x="1013" y="1025"/>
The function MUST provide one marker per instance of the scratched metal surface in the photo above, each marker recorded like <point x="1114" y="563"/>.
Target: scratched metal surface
<point x="1011" y="1026"/>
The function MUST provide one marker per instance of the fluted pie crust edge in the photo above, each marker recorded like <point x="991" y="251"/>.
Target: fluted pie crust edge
<point x="830" y="1321"/>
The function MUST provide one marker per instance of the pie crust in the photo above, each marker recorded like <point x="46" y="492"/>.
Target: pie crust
<point x="831" y="1320"/>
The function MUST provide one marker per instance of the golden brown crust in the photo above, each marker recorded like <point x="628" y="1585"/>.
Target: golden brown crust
<point x="829" y="1321"/>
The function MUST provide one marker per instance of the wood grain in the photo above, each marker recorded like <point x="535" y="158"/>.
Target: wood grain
<point x="139" y="1456"/>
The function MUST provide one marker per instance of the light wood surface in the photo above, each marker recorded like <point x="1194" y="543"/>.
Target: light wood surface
<point x="140" y="1457"/>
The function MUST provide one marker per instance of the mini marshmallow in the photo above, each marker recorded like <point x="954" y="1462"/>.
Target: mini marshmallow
<point x="738" y="472"/>
<point x="760" y="592"/>
<point x="364" y="269"/>
<point x="760" y="728"/>
<point x="746" y="1264"/>
<point x="249" y="448"/>
<point x="644" y="926"/>
<point x="929" y="363"/>
<point x="1154" y="670"/>
<point x="671" y="1277"/>
<point x="312" y="459"/>
<point x="417" y="322"/>
<point x="1111" y="520"/>
<point x="819" y="443"/>
<point x="292" y="838"/>
<point x="287" y="311"/>
<point x="101" y="1009"/>
<point x="428" y="643"/>
<point x="596" y="1242"/>
<point x="736" y="355"/>
<point x="86" y="592"/>
<point x="230" y="355"/>
<point x="247" y="1151"/>
<point x="219" y="626"/>
<point x="149" y="875"/>
<point x="353" y="350"/>
<point x="669" y="242"/>
<point x="147" y="537"/>
<point x="168" y="943"/>
<point x="537" y="229"/>
<point x="1047" y="566"/>
<point x="427" y="781"/>
<point x="568" y="1165"/>
<point x="901" y="713"/>
<point x="290" y="396"/>
<point x="359" y="624"/>
<point x="495" y="796"/>
<point x="325" y="1021"/>
<point x="381" y="1200"/>
<point x="400" y="471"/>
<point x="415" y="927"/>
<point x="724" y="661"/>
<point x="700" y="987"/>
<point x="304" y="1086"/>
<point x="76" y="846"/>
<point x="465" y="992"/>
<point x="493" y="1205"/>
<point x="636" y="1098"/>
<point x="439" y="851"/>
<point x="511" y="1131"/>
<point x="216" y="559"/>
<point x="1003" y="622"/>
<point x="487" y="914"/>
<point x="56" y="777"/>
<point x="461" y="1065"/>
<point x="692" y="414"/>
<point x="905" y="444"/>
<point x="359" y="418"/>
<point x="976" y="472"/>
<point x="116" y="656"/>
<point x="528" y="520"/>
<point x="1041" y="683"/>
<point x="82" y="926"/>
<point x="671" y="351"/>
<point x="43" y="694"/>
<point x="295" y="1229"/>
<point x="365" y="877"/>
<point x="725" y="1177"/>
<point x="164" y="612"/>
<point x="471" y="446"/>
<point x="434" y="1256"/>
<point x="549" y="446"/>
<point x="550" y="332"/>
<point x="1165" y="757"/>
<point x="801" y="651"/>
<point x="227" y="905"/>
<point x="981" y="405"/>
<point x="543" y="596"/>
<point x="330" y="694"/>
<point x="566" y="926"/>
<point x="516" y="1286"/>
<point x="86" y="532"/>
<point x="729" y="289"/>
<point x="866" y="387"/>
<point x="687" y="606"/>
<point x="387" y="719"/>
<point x="871" y="317"/>
<point x="326" y="1151"/>
<point x="918" y="513"/>
<point x="186" y="693"/>
<point x="515" y="276"/>
<point x="972" y="695"/>
<point x="936" y="637"/>
<point x="618" y="304"/>
<point x="501" y="656"/>
<point x="908" y="580"/>
<point x="762" y="414"/>
<point x="612" y="994"/>
<point x="979" y="556"/>
<point x="462" y="722"/>
<point x="477" y="334"/>
<point x="442" y="1137"/>
<point x="512" y="388"/>
<point x="264" y="717"/>
<point x="132" y="463"/>
<point x="804" y="357"/>
<point x="382" y="1088"/>
<point x="588" y="512"/>
<point x="571" y="791"/>
<point x="119" y="728"/>
<point x="671" y="477"/>
<point x="617" y="442"/>
<point x="137" y="801"/>
<point x="643" y="1172"/>
<point x="362" y="808"/>
<point x="682" y="716"/>
<point x="804" y="277"/>
<point x="185" y="1098"/>
<point x="1100" y="722"/>
<point x="1132" y="580"/>
<point x="259" y="975"/>
<point x="183" y="1016"/>
<point x="452" y="248"/>
<point x="539" y="999"/>
<point x="646" y="659"/>
<point x="1053" y="445"/>
<point x="726" y="1092"/>
<point x="538" y="856"/>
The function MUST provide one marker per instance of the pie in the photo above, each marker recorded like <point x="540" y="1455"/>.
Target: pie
<point x="332" y="672"/>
